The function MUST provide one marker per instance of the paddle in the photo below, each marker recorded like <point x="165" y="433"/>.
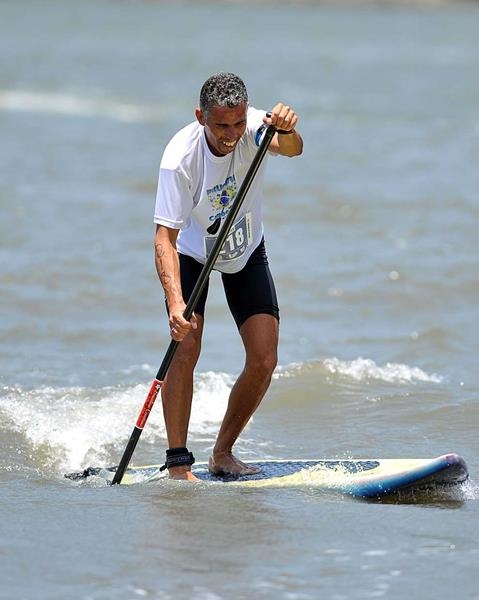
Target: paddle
<point x="196" y="293"/>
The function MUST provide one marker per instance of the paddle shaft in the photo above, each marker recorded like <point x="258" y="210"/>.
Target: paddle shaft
<point x="190" y="307"/>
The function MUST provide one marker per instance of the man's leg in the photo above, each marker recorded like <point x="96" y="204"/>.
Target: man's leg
<point x="177" y="394"/>
<point x="260" y="338"/>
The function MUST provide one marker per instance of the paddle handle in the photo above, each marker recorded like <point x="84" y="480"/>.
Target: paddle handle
<point x="190" y="306"/>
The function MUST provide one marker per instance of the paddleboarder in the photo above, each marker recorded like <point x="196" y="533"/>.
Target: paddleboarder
<point x="201" y="170"/>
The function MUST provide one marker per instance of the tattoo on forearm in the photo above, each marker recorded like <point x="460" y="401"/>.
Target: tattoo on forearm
<point x="159" y="250"/>
<point x="165" y="278"/>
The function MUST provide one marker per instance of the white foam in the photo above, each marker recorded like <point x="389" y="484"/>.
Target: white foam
<point x="362" y="369"/>
<point x="76" y="105"/>
<point x="76" y="427"/>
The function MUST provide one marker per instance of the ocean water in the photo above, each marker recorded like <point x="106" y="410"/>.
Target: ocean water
<point x="372" y="239"/>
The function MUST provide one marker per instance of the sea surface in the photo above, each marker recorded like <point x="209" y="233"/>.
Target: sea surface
<point x="372" y="240"/>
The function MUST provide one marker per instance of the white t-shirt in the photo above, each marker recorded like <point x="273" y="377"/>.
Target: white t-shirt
<point x="195" y="188"/>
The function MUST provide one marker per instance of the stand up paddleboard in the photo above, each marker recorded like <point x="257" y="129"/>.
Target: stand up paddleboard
<point x="360" y="478"/>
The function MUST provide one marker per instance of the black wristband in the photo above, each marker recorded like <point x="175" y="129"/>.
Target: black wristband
<point x="285" y="132"/>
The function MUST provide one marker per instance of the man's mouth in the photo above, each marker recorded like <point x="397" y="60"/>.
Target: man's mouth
<point x="229" y="144"/>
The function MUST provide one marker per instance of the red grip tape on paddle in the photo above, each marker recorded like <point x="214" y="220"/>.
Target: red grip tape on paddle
<point x="148" y="405"/>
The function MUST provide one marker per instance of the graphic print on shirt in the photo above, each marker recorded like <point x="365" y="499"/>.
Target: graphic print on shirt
<point x="220" y="198"/>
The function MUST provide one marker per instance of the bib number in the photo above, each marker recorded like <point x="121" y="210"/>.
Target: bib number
<point x="238" y="239"/>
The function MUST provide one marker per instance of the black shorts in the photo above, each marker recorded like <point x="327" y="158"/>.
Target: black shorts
<point x="249" y="292"/>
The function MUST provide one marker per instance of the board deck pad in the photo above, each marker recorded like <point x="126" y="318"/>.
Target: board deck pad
<point x="366" y="478"/>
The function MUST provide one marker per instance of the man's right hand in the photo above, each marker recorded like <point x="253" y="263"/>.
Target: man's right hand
<point x="179" y="326"/>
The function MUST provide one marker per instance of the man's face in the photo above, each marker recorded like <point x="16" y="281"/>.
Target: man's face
<point x="223" y="127"/>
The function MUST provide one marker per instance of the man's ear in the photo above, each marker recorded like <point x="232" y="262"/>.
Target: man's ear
<point x="200" y="116"/>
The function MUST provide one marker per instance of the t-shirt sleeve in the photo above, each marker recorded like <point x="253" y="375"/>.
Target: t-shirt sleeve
<point x="174" y="200"/>
<point x="255" y="124"/>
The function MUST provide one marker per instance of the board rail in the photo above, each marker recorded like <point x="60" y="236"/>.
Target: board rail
<point x="364" y="478"/>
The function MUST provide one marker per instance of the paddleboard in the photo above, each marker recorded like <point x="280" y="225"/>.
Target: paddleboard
<point x="363" y="478"/>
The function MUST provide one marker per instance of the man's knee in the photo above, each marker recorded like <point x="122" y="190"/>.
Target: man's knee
<point x="264" y="363"/>
<point x="189" y="349"/>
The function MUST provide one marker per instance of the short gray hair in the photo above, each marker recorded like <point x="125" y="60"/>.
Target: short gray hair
<point x="223" y="89"/>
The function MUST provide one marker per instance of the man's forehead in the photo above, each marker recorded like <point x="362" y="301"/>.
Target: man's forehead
<point x="226" y="113"/>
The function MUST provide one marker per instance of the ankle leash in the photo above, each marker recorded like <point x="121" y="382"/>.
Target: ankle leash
<point x="176" y="457"/>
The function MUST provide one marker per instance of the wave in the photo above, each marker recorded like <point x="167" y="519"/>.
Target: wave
<point x="65" y="428"/>
<point x="75" y="105"/>
<point x="361" y="370"/>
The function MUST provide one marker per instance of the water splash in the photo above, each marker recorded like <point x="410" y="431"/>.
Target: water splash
<point x="73" y="427"/>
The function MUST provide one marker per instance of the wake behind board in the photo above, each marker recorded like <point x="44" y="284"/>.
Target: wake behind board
<point x="361" y="478"/>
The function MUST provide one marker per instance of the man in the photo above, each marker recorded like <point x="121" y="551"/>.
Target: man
<point x="201" y="170"/>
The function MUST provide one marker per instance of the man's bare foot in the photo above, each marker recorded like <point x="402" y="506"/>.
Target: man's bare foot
<point x="224" y="463"/>
<point x="182" y="473"/>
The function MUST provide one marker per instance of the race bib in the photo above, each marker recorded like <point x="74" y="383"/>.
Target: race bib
<point x="239" y="238"/>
